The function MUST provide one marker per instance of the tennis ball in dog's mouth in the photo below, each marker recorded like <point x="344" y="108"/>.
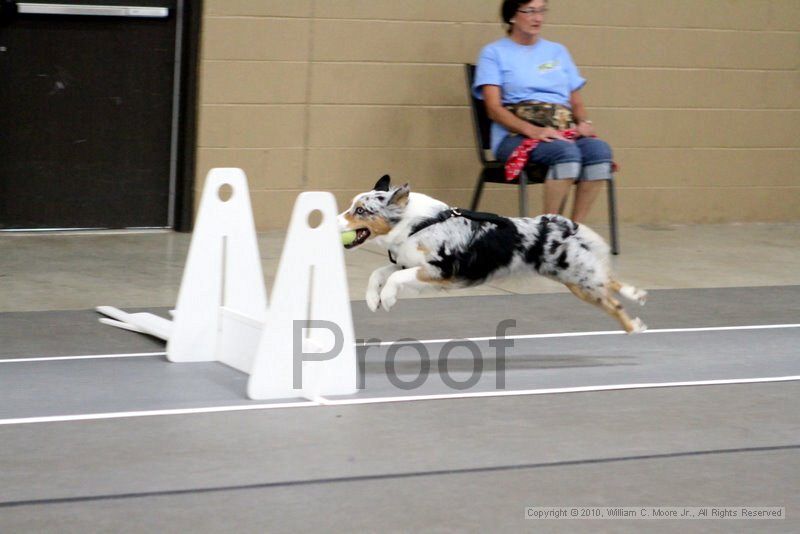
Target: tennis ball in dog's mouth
<point x="348" y="237"/>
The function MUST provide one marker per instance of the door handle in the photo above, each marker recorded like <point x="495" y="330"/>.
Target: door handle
<point x="92" y="10"/>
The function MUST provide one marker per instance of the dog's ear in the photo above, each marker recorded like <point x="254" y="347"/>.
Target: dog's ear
<point x="383" y="183"/>
<point x="400" y="195"/>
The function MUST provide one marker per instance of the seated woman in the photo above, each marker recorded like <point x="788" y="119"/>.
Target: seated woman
<point x="531" y="88"/>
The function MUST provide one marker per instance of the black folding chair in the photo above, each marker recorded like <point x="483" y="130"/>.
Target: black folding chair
<point x="493" y="171"/>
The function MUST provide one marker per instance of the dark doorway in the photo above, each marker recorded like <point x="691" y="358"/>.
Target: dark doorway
<point x="89" y="116"/>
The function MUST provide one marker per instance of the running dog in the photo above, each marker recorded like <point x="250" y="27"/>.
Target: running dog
<point x="431" y="245"/>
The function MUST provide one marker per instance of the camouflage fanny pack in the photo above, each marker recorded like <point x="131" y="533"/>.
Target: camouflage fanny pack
<point x="543" y="114"/>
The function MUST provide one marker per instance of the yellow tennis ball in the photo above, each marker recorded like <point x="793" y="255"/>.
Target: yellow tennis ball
<point x="348" y="237"/>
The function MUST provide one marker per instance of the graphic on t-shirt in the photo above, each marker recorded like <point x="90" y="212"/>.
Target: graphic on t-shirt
<point x="548" y="66"/>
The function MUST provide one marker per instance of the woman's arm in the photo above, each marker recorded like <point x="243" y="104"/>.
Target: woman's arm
<point x="492" y="97"/>
<point x="579" y="115"/>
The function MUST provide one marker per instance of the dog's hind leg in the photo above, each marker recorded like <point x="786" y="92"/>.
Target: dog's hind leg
<point x="603" y="299"/>
<point x="613" y="307"/>
<point x="628" y="291"/>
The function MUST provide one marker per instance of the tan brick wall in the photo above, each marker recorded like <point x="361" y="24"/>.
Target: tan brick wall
<point x="700" y="100"/>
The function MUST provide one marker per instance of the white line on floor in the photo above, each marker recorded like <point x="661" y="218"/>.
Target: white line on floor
<point x="432" y="341"/>
<point x="87" y="357"/>
<point x="596" y="333"/>
<point x="550" y="391"/>
<point x="151" y="413"/>
<point x="321" y="401"/>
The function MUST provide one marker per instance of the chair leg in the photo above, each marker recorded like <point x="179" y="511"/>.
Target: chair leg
<point x="523" y="194"/>
<point x="612" y="216"/>
<point x="476" y="197"/>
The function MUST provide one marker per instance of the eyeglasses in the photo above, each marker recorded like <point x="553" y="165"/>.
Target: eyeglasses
<point x="533" y="11"/>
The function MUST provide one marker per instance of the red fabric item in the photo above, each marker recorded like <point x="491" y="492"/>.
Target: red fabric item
<point x="519" y="158"/>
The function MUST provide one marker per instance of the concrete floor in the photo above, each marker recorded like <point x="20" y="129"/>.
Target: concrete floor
<point x="465" y="465"/>
<point x="457" y="466"/>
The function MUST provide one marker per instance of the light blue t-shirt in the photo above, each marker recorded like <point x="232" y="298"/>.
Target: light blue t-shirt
<point x="543" y="71"/>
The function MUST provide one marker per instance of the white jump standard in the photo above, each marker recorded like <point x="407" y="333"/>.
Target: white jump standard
<point x="301" y="346"/>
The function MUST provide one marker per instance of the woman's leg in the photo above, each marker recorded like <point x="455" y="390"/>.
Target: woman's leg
<point x="585" y="195"/>
<point x="596" y="158"/>
<point x="555" y="194"/>
<point x="563" y="158"/>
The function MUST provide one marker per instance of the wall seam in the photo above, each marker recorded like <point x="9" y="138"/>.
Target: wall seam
<point x="496" y="24"/>
<point x="307" y="104"/>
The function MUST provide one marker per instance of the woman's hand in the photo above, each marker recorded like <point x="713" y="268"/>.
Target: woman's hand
<point x="585" y="129"/>
<point x="545" y="135"/>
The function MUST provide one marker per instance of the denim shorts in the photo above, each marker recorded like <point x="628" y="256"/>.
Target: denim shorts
<point x="587" y="158"/>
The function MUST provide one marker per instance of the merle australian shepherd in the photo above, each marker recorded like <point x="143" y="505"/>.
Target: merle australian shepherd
<point x="431" y="245"/>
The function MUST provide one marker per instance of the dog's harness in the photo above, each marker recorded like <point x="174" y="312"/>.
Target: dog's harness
<point x="448" y="214"/>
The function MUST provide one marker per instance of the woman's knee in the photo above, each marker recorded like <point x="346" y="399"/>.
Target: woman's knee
<point x="562" y="157"/>
<point x="594" y="150"/>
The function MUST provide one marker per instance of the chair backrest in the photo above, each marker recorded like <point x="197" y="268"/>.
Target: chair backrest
<point x="480" y="119"/>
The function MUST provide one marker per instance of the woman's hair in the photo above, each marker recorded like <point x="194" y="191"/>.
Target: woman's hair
<point x="509" y="9"/>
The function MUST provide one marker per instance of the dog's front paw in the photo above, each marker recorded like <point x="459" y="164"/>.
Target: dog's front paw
<point x="388" y="297"/>
<point x="637" y="326"/>
<point x="373" y="300"/>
